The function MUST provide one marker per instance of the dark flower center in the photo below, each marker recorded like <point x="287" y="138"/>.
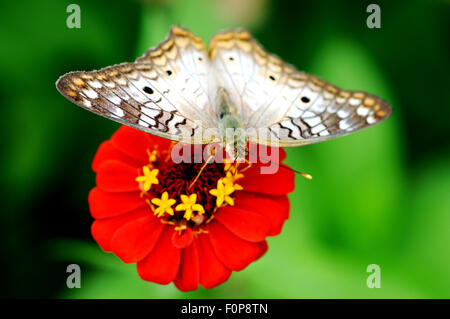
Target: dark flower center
<point x="185" y="194"/>
<point x="176" y="179"/>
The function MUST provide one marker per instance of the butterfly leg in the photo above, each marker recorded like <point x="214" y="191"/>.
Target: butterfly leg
<point x="211" y="151"/>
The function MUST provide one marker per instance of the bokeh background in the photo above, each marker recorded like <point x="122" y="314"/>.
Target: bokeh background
<point x="381" y="196"/>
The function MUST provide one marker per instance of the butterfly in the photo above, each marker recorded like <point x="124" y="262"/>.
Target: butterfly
<point x="179" y="90"/>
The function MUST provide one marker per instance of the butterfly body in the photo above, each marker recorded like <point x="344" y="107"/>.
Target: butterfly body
<point x="233" y="93"/>
<point x="231" y="132"/>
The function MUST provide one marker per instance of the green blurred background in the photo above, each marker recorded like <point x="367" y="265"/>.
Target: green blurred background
<point x="380" y="196"/>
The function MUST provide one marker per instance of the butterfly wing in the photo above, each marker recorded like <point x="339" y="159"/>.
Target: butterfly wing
<point x="280" y="105"/>
<point x="164" y="93"/>
<point x="322" y="112"/>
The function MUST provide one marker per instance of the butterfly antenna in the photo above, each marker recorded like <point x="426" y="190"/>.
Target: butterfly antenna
<point x="201" y="170"/>
<point x="305" y="175"/>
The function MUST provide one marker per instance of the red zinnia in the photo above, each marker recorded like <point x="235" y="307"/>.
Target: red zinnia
<point x="145" y="212"/>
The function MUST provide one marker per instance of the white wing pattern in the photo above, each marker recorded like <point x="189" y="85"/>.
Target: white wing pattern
<point x="172" y="90"/>
<point x="165" y="92"/>
<point x="284" y="105"/>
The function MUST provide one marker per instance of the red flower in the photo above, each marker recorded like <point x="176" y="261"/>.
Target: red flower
<point x="146" y="213"/>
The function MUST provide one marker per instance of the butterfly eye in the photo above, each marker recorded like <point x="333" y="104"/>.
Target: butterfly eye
<point x="272" y="78"/>
<point x="231" y="58"/>
<point x="169" y="72"/>
<point x="148" y="90"/>
<point x="200" y="58"/>
<point x="304" y="99"/>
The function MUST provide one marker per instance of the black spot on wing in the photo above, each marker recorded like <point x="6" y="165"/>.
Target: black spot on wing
<point x="148" y="90"/>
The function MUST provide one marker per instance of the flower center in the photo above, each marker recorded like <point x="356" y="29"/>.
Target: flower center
<point x="187" y="195"/>
<point x="178" y="178"/>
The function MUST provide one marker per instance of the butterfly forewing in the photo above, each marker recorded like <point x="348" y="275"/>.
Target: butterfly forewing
<point x="165" y="92"/>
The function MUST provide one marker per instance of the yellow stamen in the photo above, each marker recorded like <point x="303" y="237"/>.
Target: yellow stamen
<point x="230" y="166"/>
<point x="189" y="206"/>
<point x="209" y="219"/>
<point x="148" y="179"/>
<point x="164" y="204"/>
<point x="152" y="156"/>
<point x="227" y="166"/>
<point x="200" y="231"/>
<point x="167" y="222"/>
<point x="249" y="164"/>
<point x="181" y="226"/>
<point x="223" y="192"/>
<point x="230" y="178"/>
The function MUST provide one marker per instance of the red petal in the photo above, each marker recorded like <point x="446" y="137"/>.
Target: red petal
<point x="257" y="154"/>
<point x="103" y="204"/>
<point x="212" y="271"/>
<point x="107" y="151"/>
<point x="263" y="247"/>
<point x="133" y="143"/>
<point x="135" y="240"/>
<point x="244" y="223"/>
<point x="162" y="143"/>
<point x="104" y="229"/>
<point x="275" y="209"/>
<point x="162" y="264"/>
<point x="115" y="176"/>
<point x="183" y="239"/>
<point x="189" y="273"/>
<point x="280" y="183"/>
<point x="233" y="251"/>
<point x="282" y="154"/>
